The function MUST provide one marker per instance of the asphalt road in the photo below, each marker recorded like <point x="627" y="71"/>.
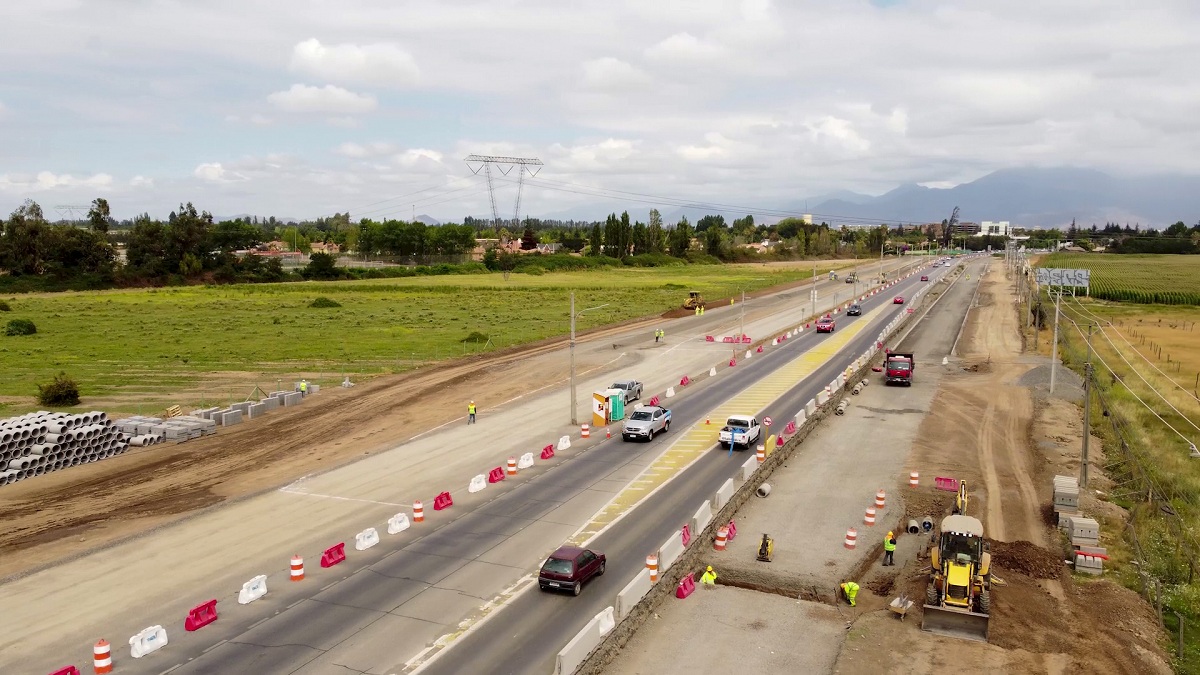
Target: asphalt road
<point x="527" y="634"/>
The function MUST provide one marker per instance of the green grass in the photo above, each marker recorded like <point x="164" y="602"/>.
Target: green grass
<point x="125" y="342"/>
<point x="1161" y="279"/>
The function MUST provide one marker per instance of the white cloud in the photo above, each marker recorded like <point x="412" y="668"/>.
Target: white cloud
<point x="684" y="47"/>
<point x="612" y="74"/>
<point x="141" y="182"/>
<point x="360" y="151"/>
<point x="215" y="172"/>
<point x="383" y="64"/>
<point x="414" y="157"/>
<point x="47" y="180"/>
<point x="256" y="119"/>
<point x="302" y="98"/>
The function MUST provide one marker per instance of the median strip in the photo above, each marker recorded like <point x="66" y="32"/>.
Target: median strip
<point x="700" y="438"/>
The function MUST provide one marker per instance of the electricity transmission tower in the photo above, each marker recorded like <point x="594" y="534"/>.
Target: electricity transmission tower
<point x="504" y="165"/>
<point x="68" y="212"/>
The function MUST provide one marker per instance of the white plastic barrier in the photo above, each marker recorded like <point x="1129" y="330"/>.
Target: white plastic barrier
<point x="822" y="397"/>
<point x="149" y="640"/>
<point x="712" y="372"/>
<point x="670" y="392"/>
<point x="748" y="354"/>
<point x="584" y="642"/>
<point x="670" y="552"/>
<point x="477" y="483"/>
<point x="398" y="523"/>
<point x="702" y="517"/>
<point x="526" y="461"/>
<point x="253" y="590"/>
<point x="724" y="494"/>
<point x="748" y="468"/>
<point x="564" y="443"/>
<point x="801" y="418"/>
<point x="633" y="593"/>
<point x="366" y="539"/>
<point x="810" y="407"/>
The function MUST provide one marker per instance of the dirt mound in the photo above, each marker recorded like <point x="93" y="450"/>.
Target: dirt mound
<point x="927" y="502"/>
<point x="1027" y="558"/>
<point x="978" y="368"/>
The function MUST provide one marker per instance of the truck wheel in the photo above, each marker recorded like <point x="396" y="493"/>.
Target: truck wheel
<point x="983" y="602"/>
<point x="931" y="594"/>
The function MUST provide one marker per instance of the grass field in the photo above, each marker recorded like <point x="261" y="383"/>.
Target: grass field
<point x="133" y="345"/>
<point x="1162" y="279"/>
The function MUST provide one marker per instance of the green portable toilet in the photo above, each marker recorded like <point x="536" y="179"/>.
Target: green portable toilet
<point x="616" y="405"/>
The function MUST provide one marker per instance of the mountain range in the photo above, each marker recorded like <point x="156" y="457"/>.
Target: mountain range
<point x="1029" y="197"/>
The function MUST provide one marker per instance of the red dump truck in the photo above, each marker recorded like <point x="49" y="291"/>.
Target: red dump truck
<point x="898" y="368"/>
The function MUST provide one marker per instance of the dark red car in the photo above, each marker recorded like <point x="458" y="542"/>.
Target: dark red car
<point x="569" y="568"/>
<point x="825" y="325"/>
<point x="924" y="277"/>
<point x="898" y="300"/>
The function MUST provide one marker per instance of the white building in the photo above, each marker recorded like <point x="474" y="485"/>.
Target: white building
<point x="996" y="229"/>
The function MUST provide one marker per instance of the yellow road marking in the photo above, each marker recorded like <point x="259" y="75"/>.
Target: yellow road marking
<point x="699" y="438"/>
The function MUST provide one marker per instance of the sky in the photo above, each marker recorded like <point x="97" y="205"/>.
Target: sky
<point x="304" y="108"/>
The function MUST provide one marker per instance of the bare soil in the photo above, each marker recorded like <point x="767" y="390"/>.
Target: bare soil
<point x="990" y="431"/>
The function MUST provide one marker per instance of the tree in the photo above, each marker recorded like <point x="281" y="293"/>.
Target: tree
<point x="322" y="266"/>
<point x="22" y="246"/>
<point x="99" y="215"/>
<point x="681" y="238"/>
<point x="529" y="240"/>
<point x="655" y="234"/>
<point x="714" y="238"/>
<point x="788" y="228"/>
<point x="641" y="239"/>
<point x="1177" y="230"/>
<point x="710" y="221"/>
<point x="596" y="241"/>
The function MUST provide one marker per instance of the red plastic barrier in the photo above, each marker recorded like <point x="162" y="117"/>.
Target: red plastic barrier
<point x="808" y="325"/>
<point x="947" y="484"/>
<point x="335" y="554"/>
<point x="779" y="441"/>
<point x="684" y="381"/>
<point x="496" y="475"/>
<point x="790" y="428"/>
<point x="201" y="616"/>
<point x="759" y="350"/>
<point x="727" y="339"/>
<point x="686" y="586"/>
<point x="709" y="338"/>
<point x="654" y="400"/>
<point x="686" y="534"/>
<point x="443" y="501"/>
<point x="69" y="670"/>
<point x="732" y="362"/>
<point x="548" y="452"/>
<point x="732" y="531"/>
<point x="746" y="340"/>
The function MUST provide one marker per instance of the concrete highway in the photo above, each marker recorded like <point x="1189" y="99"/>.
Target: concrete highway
<point x="383" y="606"/>
<point x="528" y="633"/>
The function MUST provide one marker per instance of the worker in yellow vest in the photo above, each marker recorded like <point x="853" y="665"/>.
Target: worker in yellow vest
<point x="849" y="591"/>
<point x="889" y="549"/>
<point x="471" y="412"/>
<point x="709" y="578"/>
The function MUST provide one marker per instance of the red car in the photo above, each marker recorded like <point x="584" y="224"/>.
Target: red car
<point x="924" y="277"/>
<point x="825" y="325"/>
<point x="569" y="568"/>
<point x="898" y="300"/>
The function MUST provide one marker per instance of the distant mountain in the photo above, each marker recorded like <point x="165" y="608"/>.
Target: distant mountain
<point x="428" y="220"/>
<point x="1033" y="197"/>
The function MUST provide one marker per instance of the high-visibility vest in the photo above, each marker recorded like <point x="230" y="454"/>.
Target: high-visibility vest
<point x="709" y="578"/>
<point x="471" y="408"/>
<point x="303" y="387"/>
<point x="889" y="544"/>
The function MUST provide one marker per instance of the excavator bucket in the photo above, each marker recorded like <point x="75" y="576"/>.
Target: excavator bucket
<point x="955" y="623"/>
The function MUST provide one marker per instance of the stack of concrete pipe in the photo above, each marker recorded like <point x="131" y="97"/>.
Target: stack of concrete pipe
<point x="37" y="443"/>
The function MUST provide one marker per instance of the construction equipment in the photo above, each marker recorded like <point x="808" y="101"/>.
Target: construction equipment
<point x="899" y="367"/>
<point x="957" y="600"/>
<point x="766" y="549"/>
<point x="960" y="501"/>
<point x="694" y="300"/>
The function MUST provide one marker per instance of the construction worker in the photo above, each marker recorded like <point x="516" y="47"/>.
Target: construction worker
<point x="709" y="578"/>
<point x="304" y="387"/>
<point x="471" y="412"/>
<point x="849" y="591"/>
<point x="889" y="549"/>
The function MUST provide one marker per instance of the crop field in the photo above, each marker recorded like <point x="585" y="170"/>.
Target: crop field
<point x="129" y="346"/>
<point x="1152" y="279"/>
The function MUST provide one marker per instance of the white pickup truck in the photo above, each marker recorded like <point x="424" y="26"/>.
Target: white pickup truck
<point x="740" y="430"/>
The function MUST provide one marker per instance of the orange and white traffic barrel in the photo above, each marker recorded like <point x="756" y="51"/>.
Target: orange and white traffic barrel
<point x="914" y="479"/>
<point x="869" y="518"/>
<point x="512" y="466"/>
<point x="418" y="512"/>
<point x="761" y="453"/>
<point x="297" y="568"/>
<point x="722" y="538"/>
<point x="102" y="657"/>
<point x="585" y="431"/>
<point x="851" y="538"/>
<point x="652" y="565"/>
<point x="879" y="499"/>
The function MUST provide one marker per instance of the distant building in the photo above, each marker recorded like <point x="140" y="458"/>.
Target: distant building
<point x="322" y="247"/>
<point x="965" y="228"/>
<point x="995" y="229"/>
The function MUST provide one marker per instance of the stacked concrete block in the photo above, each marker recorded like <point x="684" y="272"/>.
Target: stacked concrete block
<point x="256" y="410"/>
<point x="34" y="444"/>
<point x="1084" y="532"/>
<point x="204" y="413"/>
<point x="241" y="406"/>
<point x="1066" y="499"/>
<point x="231" y="417"/>
<point x="271" y="403"/>
<point x="293" y="398"/>
<point x="1090" y="559"/>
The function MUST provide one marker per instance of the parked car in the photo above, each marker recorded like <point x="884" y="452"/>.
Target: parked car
<point x="854" y="310"/>
<point x="569" y="568"/>
<point x="898" y="300"/>
<point x="645" y="422"/>
<point x="740" y="430"/>
<point x="924" y="277"/>
<point x="825" y="325"/>
<point x="632" y="389"/>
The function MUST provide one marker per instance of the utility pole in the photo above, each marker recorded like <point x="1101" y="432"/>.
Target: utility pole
<point x="813" y="293"/>
<point x="574" y="421"/>
<point x="742" y="327"/>
<point x="1054" y="345"/>
<point x="1087" y="412"/>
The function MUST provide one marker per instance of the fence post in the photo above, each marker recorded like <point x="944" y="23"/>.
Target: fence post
<point x="1179" y="642"/>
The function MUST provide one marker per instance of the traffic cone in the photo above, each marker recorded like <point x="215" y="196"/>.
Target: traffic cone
<point x="707" y="420"/>
<point x="607" y="432"/>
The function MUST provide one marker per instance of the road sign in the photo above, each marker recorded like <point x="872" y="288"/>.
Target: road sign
<point x="1049" y="276"/>
<point x="767" y="421"/>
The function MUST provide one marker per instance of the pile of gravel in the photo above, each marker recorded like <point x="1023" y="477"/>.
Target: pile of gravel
<point x="1067" y="384"/>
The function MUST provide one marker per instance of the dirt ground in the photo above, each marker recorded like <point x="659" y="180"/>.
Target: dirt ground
<point x="992" y="427"/>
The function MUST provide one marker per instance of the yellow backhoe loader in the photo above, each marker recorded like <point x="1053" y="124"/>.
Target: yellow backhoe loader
<point x="958" y="600"/>
<point x="694" y="300"/>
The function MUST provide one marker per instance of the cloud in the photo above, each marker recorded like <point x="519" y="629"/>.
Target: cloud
<point x="684" y="47"/>
<point x="214" y="172"/>
<point x="612" y="74"/>
<point x="357" y="151"/>
<point x="256" y="119"/>
<point x="141" y="182"/>
<point x="44" y="181"/>
<point x="383" y="64"/>
<point x="302" y="98"/>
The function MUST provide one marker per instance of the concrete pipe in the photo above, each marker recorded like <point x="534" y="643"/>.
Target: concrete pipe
<point x="74" y="462"/>
<point x="22" y="474"/>
<point x="101" y="416"/>
<point x="5" y="436"/>
<point x="857" y="389"/>
<point x="58" y="428"/>
<point x="39" y="471"/>
<point x="763" y="490"/>
<point x="864" y="383"/>
<point x="913" y="527"/>
<point x="24" y="433"/>
<point x="39" y="450"/>
<point x="927" y="524"/>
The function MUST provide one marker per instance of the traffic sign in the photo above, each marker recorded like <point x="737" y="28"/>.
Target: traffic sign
<point x="767" y="421"/>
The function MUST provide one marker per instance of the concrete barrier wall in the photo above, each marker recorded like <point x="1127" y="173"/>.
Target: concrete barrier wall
<point x="810" y="408"/>
<point x="577" y="650"/>
<point x="669" y="552"/>
<point x="692" y="559"/>
<point x="633" y="593"/>
<point x="703" y="517"/>
<point x="724" y="494"/>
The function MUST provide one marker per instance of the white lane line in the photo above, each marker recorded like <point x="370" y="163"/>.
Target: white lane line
<point x="342" y="499"/>
<point x="214" y="646"/>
